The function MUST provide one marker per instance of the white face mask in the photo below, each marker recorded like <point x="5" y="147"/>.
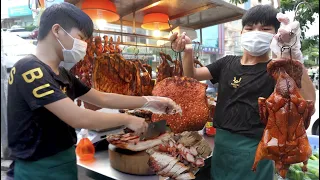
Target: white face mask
<point x="256" y="43"/>
<point x="74" y="55"/>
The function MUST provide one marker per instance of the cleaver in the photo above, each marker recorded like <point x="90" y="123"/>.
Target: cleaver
<point x="154" y="130"/>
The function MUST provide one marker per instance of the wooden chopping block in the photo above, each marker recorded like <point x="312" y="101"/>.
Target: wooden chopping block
<point x="129" y="161"/>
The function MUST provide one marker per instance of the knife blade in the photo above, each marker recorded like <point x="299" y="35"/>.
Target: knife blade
<point x="155" y="129"/>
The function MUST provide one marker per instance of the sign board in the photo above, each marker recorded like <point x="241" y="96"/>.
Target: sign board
<point x="210" y="50"/>
<point x="19" y="11"/>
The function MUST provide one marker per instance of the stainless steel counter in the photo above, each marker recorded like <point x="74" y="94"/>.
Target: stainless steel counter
<point x="101" y="167"/>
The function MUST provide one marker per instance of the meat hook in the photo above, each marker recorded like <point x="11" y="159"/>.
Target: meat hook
<point x="197" y="49"/>
<point x="124" y="47"/>
<point x="136" y="52"/>
<point x="297" y="8"/>
<point x="171" y="29"/>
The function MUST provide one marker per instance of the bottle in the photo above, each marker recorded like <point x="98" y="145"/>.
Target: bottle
<point x="85" y="149"/>
<point x="209" y="130"/>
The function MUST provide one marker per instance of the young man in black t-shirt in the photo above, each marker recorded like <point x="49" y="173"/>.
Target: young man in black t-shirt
<point x="242" y="80"/>
<point x="41" y="112"/>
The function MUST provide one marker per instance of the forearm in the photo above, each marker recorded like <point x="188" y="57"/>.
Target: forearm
<point x="188" y="64"/>
<point x="307" y="90"/>
<point x="98" y="120"/>
<point x="117" y="101"/>
<point x="78" y="117"/>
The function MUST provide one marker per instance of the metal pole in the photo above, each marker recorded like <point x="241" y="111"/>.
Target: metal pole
<point x="134" y="22"/>
<point x="201" y="35"/>
<point x="4" y="119"/>
<point x="130" y="34"/>
<point x="121" y="29"/>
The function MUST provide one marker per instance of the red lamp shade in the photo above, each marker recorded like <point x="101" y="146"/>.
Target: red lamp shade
<point x="100" y="9"/>
<point x="155" y="21"/>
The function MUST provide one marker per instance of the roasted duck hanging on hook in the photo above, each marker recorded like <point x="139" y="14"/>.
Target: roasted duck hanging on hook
<point x="286" y="115"/>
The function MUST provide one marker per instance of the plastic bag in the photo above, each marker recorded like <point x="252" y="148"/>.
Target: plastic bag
<point x="288" y="35"/>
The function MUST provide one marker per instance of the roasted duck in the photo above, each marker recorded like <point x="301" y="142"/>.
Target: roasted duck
<point x="104" y="69"/>
<point x="110" y="72"/>
<point x="190" y="94"/>
<point x="83" y="70"/>
<point x="286" y="115"/>
<point x="164" y="70"/>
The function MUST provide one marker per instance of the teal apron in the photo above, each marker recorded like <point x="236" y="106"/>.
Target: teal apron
<point x="233" y="158"/>
<point x="61" y="166"/>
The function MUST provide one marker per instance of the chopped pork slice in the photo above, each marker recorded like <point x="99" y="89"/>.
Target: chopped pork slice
<point x="185" y="176"/>
<point x="164" y="171"/>
<point x="181" y="170"/>
<point x="175" y="168"/>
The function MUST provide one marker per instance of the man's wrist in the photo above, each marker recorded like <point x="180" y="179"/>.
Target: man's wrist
<point x="188" y="48"/>
<point x="126" y="119"/>
<point x="144" y="100"/>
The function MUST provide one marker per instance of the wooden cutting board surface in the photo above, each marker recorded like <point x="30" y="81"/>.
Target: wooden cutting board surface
<point x="129" y="161"/>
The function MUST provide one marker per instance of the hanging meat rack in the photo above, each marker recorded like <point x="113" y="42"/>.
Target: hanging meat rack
<point x="192" y="14"/>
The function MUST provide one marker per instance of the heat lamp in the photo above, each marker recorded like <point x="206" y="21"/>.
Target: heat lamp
<point x="155" y="22"/>
<point x="100" y="11"/>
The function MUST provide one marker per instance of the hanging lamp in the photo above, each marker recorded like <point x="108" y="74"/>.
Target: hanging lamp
<point x="156" y="22"/>
<point x="100" y="10"/>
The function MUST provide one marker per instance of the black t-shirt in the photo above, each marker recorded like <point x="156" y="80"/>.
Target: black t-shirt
<point x="33" y="131"/>
<point x="240" y="86"/>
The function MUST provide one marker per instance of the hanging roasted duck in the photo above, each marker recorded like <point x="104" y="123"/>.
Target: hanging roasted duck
<point x="286" y="115"/>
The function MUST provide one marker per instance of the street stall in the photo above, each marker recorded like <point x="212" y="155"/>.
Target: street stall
<point x="117" y="62"/>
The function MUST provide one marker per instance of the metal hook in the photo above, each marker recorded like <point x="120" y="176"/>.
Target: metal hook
<point x="136" y="52"/>
<point x="144" y="55"/>
<point x="287" y="47"/>
<point x="297" y="8"/>
<point x="198" y="49"/>
<point x="170" y="25"/>
<point x="124" y="47"/>
<point x="171" y="29"/>
<point x="175" y="55"/>
<point x="98" y="31"/>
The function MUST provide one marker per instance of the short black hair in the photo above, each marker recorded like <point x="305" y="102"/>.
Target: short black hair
<point x="67" y="16"/>
<point x="263" y="14"/>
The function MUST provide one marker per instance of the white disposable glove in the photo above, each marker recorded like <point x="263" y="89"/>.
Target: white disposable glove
<point x="161" y="105"/>
<point x="288" y="34"/>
